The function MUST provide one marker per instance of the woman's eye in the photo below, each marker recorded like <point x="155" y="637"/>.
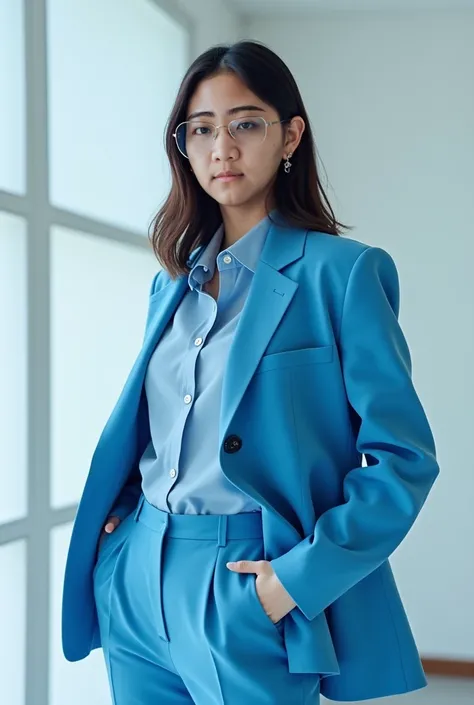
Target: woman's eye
<point x="201" y="131"/>
<point x="247" y="125"/>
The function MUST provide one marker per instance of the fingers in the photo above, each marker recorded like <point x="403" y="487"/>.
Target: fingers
<point x="111" y="525"/>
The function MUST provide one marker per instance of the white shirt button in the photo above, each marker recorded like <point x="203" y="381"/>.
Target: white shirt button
<point x="187" y="399"/>
<point x="227" y="259"/>
<point x="172" y="472"/>
<point x="198" y="341"/>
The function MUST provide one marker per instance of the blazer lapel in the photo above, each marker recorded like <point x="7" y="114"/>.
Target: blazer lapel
<point x="270" y="294"/>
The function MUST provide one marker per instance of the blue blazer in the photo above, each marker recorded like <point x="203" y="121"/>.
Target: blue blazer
<point x="319" y="373"/>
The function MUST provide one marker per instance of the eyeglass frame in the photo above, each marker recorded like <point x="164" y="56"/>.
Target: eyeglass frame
<point x="218" y="127"/>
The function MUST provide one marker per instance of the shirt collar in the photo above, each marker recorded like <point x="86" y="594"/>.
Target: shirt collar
<point x="246" y="250"/>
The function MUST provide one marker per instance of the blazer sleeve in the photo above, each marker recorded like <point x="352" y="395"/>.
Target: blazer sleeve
<point x="128" y="497"/>
<point x="382" y="500"/>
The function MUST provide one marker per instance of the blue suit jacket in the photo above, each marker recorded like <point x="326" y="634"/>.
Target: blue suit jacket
<point x="319" y="373"/>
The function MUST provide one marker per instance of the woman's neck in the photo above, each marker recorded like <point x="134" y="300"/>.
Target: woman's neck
<point x="238" y="221"/>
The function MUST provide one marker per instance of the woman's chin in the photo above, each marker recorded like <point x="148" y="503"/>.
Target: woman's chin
<point x="232" y="198"/>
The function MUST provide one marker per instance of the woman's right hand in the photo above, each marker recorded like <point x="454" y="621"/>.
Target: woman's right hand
<point x="110" y="526"/>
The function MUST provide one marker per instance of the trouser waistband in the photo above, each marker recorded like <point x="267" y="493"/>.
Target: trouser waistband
<point x="205" y="527"/>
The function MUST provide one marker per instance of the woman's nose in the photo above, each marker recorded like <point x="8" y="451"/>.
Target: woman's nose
<point x="224" y="146"/>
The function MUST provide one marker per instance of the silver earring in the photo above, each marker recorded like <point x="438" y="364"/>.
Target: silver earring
<point x="288" y="164"/>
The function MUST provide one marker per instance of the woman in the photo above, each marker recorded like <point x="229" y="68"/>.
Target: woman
<point x="245" y="550"/>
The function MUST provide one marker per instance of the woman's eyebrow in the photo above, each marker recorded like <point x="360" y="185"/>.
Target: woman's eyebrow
<point x="232" y="111"/>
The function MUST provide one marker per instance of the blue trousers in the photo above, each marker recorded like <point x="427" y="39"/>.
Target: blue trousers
<point x="178" y="627"/>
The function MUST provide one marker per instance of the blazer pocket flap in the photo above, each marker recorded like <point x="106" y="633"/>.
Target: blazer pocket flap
<point x="293" y="358"/>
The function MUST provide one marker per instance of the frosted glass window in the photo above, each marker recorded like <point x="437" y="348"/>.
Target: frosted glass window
<point x="12" y="622"/>
<point x="114" y="70"/>
<point x="13" y="368"/>
<point x="99" y="302"/>
<point x="12" y="97"/>
<point x="78" y="682"/>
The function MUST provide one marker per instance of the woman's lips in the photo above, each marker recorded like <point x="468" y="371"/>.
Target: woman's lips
<point x="228" y="177"/>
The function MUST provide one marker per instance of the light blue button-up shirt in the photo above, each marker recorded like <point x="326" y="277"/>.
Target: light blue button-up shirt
<point x="180" y="466"/>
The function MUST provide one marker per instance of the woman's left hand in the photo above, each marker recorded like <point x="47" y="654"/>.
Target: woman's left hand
<point x="276" y="601"/>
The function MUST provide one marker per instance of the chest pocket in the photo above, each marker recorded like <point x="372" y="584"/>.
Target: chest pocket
<point x="295" y="358"/>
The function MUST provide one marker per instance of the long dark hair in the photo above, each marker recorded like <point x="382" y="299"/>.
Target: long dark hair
<point x="189" y="216"/>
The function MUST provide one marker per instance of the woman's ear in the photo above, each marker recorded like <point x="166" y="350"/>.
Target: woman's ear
<point x="293" y="134"/>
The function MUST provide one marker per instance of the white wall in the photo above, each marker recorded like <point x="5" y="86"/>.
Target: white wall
<point x="215" y="23"/>
<point x="392" y="103"/>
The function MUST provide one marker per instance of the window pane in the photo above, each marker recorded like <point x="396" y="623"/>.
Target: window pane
<point x="99" y="292"/>
<point x="13" y="366"/>
<point x="79" y="682"/>
<point x="13" y="622"/>
<point x="109" y="97"/>
<point x="12" y="97"/>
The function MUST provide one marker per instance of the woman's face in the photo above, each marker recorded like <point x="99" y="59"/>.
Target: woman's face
<point x="219" y="100"/>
